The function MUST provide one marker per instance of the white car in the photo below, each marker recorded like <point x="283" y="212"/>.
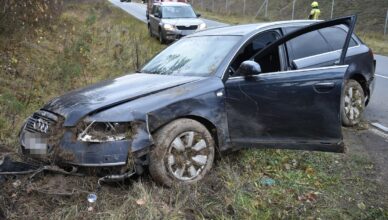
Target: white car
<point x="172" y="20"/>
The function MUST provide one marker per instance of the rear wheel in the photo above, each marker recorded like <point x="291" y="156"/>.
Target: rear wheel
<point x="183" y="153"/>
<point x="353" y="103"/>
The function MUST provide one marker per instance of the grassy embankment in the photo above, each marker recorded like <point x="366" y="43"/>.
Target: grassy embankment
<point x="94" y="41"/>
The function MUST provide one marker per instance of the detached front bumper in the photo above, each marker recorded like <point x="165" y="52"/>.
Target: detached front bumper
<point x="45" y="139"/>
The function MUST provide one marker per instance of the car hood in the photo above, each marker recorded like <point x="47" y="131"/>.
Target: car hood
<point x="77" y="104"/>
<point x="183" y="21"/>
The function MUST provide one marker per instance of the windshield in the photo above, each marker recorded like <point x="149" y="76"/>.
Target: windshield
<point x="178" y="12"/>
<point x="195" y="56"/>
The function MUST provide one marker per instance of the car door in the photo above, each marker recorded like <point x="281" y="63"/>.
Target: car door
<point x="295" y="109"/>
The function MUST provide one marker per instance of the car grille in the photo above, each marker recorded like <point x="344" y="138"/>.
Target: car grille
<point x="41" y="122"/>
<point x="191" y="27"/>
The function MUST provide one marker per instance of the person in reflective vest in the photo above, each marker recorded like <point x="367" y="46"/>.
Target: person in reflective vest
<point x="315" y="12"/>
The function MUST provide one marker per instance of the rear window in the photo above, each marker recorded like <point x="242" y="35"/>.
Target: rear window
<point x="308" y="44"/>
<point x="336" y="36"/>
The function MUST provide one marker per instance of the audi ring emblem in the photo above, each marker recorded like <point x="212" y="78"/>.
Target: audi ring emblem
<point x="41" y="126"/>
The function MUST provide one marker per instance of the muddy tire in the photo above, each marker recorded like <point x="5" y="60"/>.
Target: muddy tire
<point x="183" y="153"/>
<point x="353" y="103"/>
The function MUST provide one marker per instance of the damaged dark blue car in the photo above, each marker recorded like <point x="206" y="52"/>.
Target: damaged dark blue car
<point x="217" y="90"/>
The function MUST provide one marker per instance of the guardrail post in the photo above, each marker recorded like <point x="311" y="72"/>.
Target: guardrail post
<point x="293" y="9"/>
<point x="332" y="9"/>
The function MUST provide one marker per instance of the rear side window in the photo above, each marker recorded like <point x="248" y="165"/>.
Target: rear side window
<point x="308" y="44"/>
<point x="336" y="36"/>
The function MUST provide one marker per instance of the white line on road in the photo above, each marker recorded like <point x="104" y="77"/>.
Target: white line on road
<point x="380" y="126"/>
<point x="385" y="77"/>
<point x="379" y="133"/>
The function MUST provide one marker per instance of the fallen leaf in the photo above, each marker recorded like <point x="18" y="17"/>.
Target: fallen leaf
<point x="361" y="206"/>
<point x="140" y="201"/>
<point x="310" y="170"/>
<point x="16" y="184"/>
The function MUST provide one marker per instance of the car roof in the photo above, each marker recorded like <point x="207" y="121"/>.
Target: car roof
<point x="172" y="4"/>
<point x="246" y="29"/>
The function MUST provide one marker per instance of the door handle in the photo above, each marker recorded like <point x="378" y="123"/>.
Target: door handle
<point x="324" y="86"/>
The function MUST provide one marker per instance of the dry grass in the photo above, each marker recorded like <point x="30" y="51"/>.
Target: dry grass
<point x="94" y="41"/>
<point x="88" y="42"/>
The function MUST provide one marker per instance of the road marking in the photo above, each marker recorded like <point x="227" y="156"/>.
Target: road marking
<point x="385" y="77"/>
<point x="380" y="127"/>
<point x="379" y="133"/>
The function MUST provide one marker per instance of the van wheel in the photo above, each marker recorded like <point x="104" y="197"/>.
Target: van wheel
<point x="161" y="37"/>
<point x="183" y="153"/>
<point x="150" y="31"/>
<point x="353" y="103"/>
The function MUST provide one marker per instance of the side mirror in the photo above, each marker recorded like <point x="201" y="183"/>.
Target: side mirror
<point x="198" y="15"/>
<point x="249" y="68"/>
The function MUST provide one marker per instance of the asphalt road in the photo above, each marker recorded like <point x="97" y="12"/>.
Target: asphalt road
<point x="377" y="110"/>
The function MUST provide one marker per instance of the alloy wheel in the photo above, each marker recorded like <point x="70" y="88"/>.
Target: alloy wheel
<point x="353" y="103"/>
<point x="187" y="156"/>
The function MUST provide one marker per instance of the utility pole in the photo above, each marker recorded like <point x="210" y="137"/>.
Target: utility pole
<point x="386" y="22"/>
<point x="293" y="9"/>
<point x="332" y="9"/>
<point x="212" y="5"/>
<point x="266" y="9"/>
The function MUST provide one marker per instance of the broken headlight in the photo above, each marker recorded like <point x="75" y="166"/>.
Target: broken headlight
<point x="98" y="132"/>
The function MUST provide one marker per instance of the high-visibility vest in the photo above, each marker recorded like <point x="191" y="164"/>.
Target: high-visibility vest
<point x="314" y="14"/>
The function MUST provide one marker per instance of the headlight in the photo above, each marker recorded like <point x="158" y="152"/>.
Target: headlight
<point x="98" y="132"/>
<point x="202" y="26"/>
<point x="168" y="27"/>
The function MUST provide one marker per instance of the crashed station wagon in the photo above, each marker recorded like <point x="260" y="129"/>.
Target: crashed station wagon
<point x="222" y="89"/>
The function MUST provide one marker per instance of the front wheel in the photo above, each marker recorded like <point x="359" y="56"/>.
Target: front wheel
<point x="183" y="153"/>
<point x="353" y="103"/>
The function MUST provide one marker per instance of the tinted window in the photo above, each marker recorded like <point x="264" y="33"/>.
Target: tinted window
<point x="154" y="9"/>
<point x="308" y="44"/>
<point x="336" y="37"/>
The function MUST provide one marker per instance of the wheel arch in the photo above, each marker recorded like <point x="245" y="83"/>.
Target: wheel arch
<point x="210" y="126"/>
